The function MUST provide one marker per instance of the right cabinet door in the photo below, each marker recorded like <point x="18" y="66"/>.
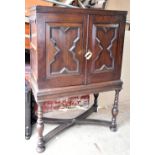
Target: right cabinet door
<point x="105" y="42"/>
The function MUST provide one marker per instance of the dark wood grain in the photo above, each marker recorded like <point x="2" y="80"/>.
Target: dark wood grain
<point x="115" y="110"/>
<point x="40" y="128"/>
<point x="75" y="52"/>
<point x="46" y="9"/>
<point x="60" y="40"/>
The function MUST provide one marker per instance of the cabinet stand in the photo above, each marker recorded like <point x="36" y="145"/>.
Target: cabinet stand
<point x="66" y="123"/>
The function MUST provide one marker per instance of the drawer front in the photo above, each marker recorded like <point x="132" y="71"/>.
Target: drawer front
<point x="63" y="52"/>
<point x="106" y="45"/>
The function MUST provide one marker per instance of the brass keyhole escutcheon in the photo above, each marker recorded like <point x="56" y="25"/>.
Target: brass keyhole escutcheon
<point x="88" y="55"/>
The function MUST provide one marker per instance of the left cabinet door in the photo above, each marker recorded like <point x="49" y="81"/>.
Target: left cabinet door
<point x="61" y="44"/>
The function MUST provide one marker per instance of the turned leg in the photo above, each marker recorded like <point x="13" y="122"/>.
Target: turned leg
<point x="113" y="126"/>
<point x="96" y="101"/>
<point x="40" y="128"/>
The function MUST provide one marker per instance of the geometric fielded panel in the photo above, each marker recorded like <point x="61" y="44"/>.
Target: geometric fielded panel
<point x="62" y="46"/>
<point x="105" y="47"/>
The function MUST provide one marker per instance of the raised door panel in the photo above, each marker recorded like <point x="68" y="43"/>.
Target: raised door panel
<point x="62" y="48"/>
<point x="105" y="43"/>
<point x="64" y="53"/>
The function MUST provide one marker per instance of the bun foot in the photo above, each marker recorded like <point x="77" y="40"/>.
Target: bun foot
<point x="113" y="128"/>
<point x="40" y="149"/>
<point x="27" y="137"/>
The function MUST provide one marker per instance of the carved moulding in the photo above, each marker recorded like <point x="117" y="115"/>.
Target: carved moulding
<point x="59" y="50"/>
<point x="105" y="28"/>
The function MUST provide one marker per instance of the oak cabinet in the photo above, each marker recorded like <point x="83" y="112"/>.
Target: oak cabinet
<point x="76" y="51"/>
<point x="75" y="47"/>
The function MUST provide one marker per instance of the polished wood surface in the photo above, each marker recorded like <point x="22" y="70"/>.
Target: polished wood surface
<point x="105" y="42"/>
<point x="60" y="41"/>
<point x="64" y="51"/>
<point x="31" y="3"/>
<point x="75" y="52"/>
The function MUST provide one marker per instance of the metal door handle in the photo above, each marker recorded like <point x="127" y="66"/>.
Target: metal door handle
<point x="88" y="55"/>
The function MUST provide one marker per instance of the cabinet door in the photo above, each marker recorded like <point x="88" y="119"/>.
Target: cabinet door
<point x="106" y="35"/>
<point x="63" y="55"/>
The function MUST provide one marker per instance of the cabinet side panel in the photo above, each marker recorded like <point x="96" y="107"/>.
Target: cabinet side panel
<point x="121" y="36"/>
<point x="33" y="49"/>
